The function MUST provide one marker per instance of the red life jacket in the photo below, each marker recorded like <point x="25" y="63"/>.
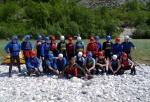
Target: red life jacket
<point x="27" y="53"/>
<point x="72" y="70"/>
<point x="53" y="46"/>
<point x="92" y="47"/>
<point x="70" y="48"/>
<point x="125" y="62"/>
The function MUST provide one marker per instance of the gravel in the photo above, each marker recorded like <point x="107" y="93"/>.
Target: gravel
<point x="48" y="88"/>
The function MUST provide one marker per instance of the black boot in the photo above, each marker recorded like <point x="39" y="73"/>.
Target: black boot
<point x="133" y="71"/>
<point x="10" y="75"/>
<point x="37" y="73"/>
<point x="10" y="68"/>
<point x="19" y="70"/>
<point x="97" y="71"/>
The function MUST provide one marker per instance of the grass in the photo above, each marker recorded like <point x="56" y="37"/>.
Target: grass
<point x="141" y="55"/>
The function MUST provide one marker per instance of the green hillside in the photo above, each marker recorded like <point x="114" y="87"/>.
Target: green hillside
<point x="67" y="17"/>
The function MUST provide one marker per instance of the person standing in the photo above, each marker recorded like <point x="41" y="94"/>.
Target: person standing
<point x="45" y="52"/>
<point x="92" y="47"/>
<point x="62" y="46"/>
<point x="79" y="46"/>
<point x="116" y="49"/>
<point x="128" y="46"/>
<point x="26" y="47"/>
<point x="38" y="46"/>
<point x="13" y="49"/>
<point x="70" y="51"/>
<point x="107" y="46"/>
<point x="54" y="46"/>
<point x="99" y="45"/>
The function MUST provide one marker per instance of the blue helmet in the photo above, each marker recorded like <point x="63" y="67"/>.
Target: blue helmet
<point x="96" y="38"/>
<point x="51" y="55"/>
<point x="108" y="37"/>
<point x="46" y="38"/>
<point x="27" y="37"/>
<point x="39" y="37"/>
<point x="15" y="38"/>
<point x="89" y="54"/>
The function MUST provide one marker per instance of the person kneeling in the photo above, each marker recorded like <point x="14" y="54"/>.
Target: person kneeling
<point x="33" y="64"/>
<point x="51" y="66"/>
<point x="101" y="63"/>
<point x="127" y="64"/>
<point x="73" y="69"/>
<point x="89" y="64"/>
<point x="114" y="65"/>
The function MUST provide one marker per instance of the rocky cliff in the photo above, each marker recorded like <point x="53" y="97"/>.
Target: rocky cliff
<point x="108" y="3"/>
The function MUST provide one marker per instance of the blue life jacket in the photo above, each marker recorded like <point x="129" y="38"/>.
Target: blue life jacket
<point x="99" y="46"/>
<point x="33" y="61"/>
<point x="47" y="46"/>
<point x="127" y="46"/>
<point x="114" y="64"/>
<point x="14" y="47"/>
<point x="60" y="64"/>
<point x="80" y="62"/>
<point x="26" y="46"/>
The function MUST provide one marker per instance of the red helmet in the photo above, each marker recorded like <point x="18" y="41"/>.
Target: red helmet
<point x="91" y="39"/>
<point x="70" y="39"/>
<point x="100" y="54"/>
<point x="117" y="40"/>
<point x="124" y="55"/>
<point x="53" y="38"/>
<point x="33" y="53"/>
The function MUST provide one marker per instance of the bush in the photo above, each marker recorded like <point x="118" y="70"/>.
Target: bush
<point x="142" y="32"/>
<point x="8" y="11"/>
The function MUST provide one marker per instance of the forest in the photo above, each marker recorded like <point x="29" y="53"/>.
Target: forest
<point x="68" y="18"/>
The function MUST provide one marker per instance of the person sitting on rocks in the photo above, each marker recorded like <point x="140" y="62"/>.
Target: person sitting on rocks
<point x="101" y="63"/>
<point x="51" y="65"/>
<point x="127" y="64"/>
<point x="73" y="69"/>
<point x="79" y="59"/>
<point x="33" y="64"/>
<point x="61" y="62"/>
<point x="114" y="65"/>
<point x="89" y="64"/>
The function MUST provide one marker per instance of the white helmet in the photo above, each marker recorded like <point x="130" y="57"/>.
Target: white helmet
<point x="126" y="37"/>
<point x="78" y="38"/>
<point x="60" y="55"/>
<point x="114" y="57"/>
<point x="62" y="38"/>
<point x="80" y="54"/>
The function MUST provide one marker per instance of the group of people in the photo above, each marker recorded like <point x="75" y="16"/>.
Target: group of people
<point x="72" y="59"/>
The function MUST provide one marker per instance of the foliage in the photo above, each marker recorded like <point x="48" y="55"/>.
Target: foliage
<point x="66" y="17"/>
